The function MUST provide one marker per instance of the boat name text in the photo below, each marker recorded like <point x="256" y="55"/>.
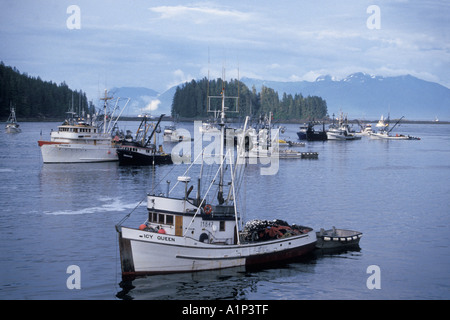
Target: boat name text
<point x="158" y="237"/>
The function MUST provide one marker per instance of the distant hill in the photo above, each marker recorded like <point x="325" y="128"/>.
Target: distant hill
<point x="360" y="95"/>
<point x="365" y="96"/>
<point x="145" y="100"/>
<point x="34" y="98"/>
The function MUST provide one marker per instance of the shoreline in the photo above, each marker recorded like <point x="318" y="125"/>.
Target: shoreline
<point x="237" y="120"/>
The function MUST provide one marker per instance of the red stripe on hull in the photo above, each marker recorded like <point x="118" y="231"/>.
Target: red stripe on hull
<point x="42" y="142"/>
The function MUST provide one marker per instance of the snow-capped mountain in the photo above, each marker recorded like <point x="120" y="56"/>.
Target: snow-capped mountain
<point x="367" y="96"/>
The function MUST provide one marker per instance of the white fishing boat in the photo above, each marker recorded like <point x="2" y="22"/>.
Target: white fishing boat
<point x="206" y="232"/>
<point x="385" y="133"/>
<point x="170" y="134"/>
<point x="382" y="123"/>
<point x="11" y="124"/>
<point x="83" y="141"/>
<point x="341" y="131"/>
<point x="366" y="129"/>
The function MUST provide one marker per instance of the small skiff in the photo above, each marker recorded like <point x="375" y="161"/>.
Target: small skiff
<point x="337" y="238"/>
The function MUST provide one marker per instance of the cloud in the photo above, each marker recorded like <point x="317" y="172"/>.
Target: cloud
<point x="199" y="14"/>
<point x="179" y="77"/>
<point x="152" y="105"/>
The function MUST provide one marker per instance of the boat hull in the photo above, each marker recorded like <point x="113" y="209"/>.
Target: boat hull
<point x="144" y="253"/>
<point x="12" y="129"/>
<point x="301" y="135"/>
<point x="127" y="157"/>
<point x="389" y="137"/>
<point x="316" y="136"/>
<point x="76" y="153"/>
<point x="341" y="137"/>
<point x="337" y="238"/>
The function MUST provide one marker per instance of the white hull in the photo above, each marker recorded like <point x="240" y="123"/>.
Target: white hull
<point x="77" y="153"/>
<point x="389" y="137"/>
<point x="144" y="252"/>
<point x="12" y="129"/>
<point x="341" y="135"/>
<point x="332" y="136"/>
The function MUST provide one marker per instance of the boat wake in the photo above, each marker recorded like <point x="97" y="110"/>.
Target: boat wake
<point x="110" y="205"/>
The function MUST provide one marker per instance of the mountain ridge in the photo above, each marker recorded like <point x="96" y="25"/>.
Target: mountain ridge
<point x="359" y="95"/>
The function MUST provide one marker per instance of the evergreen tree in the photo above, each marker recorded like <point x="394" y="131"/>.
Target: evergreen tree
<point x="34" y="98"/>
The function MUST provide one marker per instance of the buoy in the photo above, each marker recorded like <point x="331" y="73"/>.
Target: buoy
<point x="142" y="227"/>
<point x="161" y="231"/>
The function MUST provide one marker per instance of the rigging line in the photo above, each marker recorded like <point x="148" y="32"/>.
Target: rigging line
<point x="129" y="214"/>
<point x="189" y="168"/>
<point x="200" y="205"/>
<point x="234" y="201"/>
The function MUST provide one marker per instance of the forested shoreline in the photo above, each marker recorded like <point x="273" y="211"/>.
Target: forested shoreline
<point x="36" y="99"/>
<point x="191" y="101"/>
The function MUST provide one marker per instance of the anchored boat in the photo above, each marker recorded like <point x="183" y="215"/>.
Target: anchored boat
<point x="337" y="238"/>
<point x="384" y="133"/>
<point x="141" y="151"/>
<point x="82" y="141"/>
<point x="341" y="131"/>
<point x="11" y="124"/>
<point x="187" y="233"/>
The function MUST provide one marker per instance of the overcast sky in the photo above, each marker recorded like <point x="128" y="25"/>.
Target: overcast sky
<point x="157" y="44"/>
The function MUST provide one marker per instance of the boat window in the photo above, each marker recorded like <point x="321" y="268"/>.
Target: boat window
<point x="169" y="219"/>
<point x="222" y="226"/>
<point x="154" y="217"/>
<point x="161" y="218"/>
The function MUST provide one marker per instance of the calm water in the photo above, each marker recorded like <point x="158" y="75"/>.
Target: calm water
<point x="395" y="192"/>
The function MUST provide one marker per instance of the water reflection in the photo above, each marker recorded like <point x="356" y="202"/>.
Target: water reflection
<point x="227" y="284"/>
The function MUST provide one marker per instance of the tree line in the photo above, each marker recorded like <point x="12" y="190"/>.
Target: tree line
<point x="191" y="101"/>
<point x="34" y="98"/>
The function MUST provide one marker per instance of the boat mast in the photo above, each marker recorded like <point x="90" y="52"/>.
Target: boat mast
<point x="106" y="98"/>
<point x="222" y="139"/>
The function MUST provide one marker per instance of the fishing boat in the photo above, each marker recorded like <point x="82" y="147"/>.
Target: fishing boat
<point x="337" y="238"/>
<point x="385" y="132"/>
<point x="170" y="134"/>
<point x="11" y="124"/>
<point x="263" y="141"/>
<point x="341" y="130"/>
<point x="140" y="151"/>
<point x="315" y="135"/>
<point x="365" y="128"/>
<point x="302" y="132"/>
<point x="185" y="233"/>
<point x="80" y="140"/>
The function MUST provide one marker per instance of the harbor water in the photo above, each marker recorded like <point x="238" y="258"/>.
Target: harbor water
<point x="56" y="216"/>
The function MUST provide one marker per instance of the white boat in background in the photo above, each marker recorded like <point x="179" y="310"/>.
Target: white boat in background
<point x="186" y="234"/>
<point x="209" y="127"/>
<point x="385" y="134"/>
<point x="341" y="131"/>
<point x="382" y="123"/>
<point x="81" y="141"/>
<point x="170" y="134"/>
<point x="366" y="129"/>
<point x="11" y="124"/>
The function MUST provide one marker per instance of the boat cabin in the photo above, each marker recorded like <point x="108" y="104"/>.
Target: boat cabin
<point x="189" y="217"/>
